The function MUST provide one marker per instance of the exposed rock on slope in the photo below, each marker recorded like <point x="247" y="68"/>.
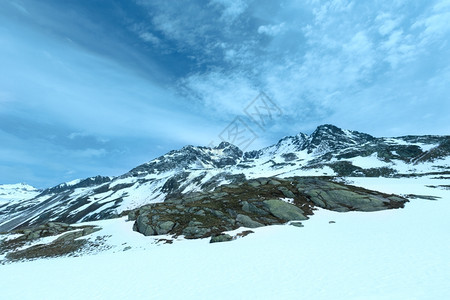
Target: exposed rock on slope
<point x="254" y="203"/>
<point x="25" y="243"/>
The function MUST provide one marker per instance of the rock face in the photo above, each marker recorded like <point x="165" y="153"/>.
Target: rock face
<point x="254" y="203"/>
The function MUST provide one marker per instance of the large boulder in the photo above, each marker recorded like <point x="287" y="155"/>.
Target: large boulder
<point x="284" y="210"/>
<point x="246" y="221"/>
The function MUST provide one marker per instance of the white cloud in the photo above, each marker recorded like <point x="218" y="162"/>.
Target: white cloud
<point x="346" y="49"/>
<point x="387" y="23"/>
<point x="360" y="64"/>
<point x="149" y="37"/>
<point x="231" y="8"/>
<point x="225" y="95"/>
<point x="90" y="153"/>
<point x="75" y="135"/>
<point x="271" y="30"/>
<point x="435" y="24"/>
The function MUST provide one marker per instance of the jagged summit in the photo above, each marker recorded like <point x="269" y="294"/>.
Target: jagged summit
<point x="192" y="157"/>
<point x="329" y="137"/>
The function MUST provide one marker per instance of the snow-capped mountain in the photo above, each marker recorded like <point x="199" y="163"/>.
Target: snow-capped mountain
<point x="14" y="192"/>
<point x="328" y="151"/>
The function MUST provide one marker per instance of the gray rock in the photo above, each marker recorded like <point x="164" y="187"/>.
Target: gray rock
<point x="246" y="221"/>
<point x="219" y="195"/>
<point x="221" y="238"/>
<point x="286" y="192"/>
<point x="339" y="198"/>
<point x="232" y="213"/>
<point x="70" y="236"/>
<point x="250" y="208"/>
<point x="194" y="222"/>
<point x="195" y="232"/>
<point x="284" y="211"/>
<point x="148" y="230"/>
<point x="201" y="212"/>
<point x="132" y="215"/>
<point x="34" y="235"/>
<point x="254" y="183"/>
<point x="217" y="213"/>
<point x="274" y="182"/>
<point x="317" y="201"/>
<point x="297" y="224"/>
<point x="263" y="181"/>
<point x="89" y="230"/>
<point x="143" y="226"/>
<point x="164" y="227"/>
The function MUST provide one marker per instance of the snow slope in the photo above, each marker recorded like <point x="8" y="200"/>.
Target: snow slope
<point x="392" y="254"/>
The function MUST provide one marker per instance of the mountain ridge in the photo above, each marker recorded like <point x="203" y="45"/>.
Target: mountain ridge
<point x="328" y="151"/>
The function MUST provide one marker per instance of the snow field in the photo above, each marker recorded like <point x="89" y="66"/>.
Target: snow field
<point x="396" y="254"/>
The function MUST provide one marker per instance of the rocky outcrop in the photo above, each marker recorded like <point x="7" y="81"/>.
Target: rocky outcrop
<point x="221" y="238"/>
<point x="66" y="241"/>
<point x="254" y="203"/>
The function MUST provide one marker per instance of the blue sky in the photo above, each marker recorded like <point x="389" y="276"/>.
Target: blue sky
<point x="93" y="87"/>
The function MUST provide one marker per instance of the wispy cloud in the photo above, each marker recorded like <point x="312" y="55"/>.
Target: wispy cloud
<point x="271" y="30"/>
<point x="117" y="83"/>
<point x="232" y="9"/>
<point x="324" y="63"/>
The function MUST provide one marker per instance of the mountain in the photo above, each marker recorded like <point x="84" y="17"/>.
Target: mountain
<point x="328" y="151"/>
<point x="13" y="192"/>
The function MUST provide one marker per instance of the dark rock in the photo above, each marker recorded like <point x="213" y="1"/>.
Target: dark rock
<point x="90" y="230"/>
<point x="164" y="227"/>
<point x="284" y="211"/>
<point x="297" y="224"/>
<point x="254" y="183"/>
<point x="274" y="182"/>
<point x="246" y="221"/>
<point x="252" y="209"/>
<point x="221" y="238"/>
<point x="286" y="192"/>
<point x="192" y="232"/>
<point x="232" y="213"/>
<point x="70" y="236"/>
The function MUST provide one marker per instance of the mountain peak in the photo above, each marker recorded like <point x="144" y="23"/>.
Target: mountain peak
<point x="223" y="145"/>
<point x="328" y="137"/>
<point x="329" y="127"/>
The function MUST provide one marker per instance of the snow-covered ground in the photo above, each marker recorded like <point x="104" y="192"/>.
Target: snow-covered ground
<point x="396" y="254"/>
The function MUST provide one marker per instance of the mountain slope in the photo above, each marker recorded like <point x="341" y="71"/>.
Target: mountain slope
<point x="328" y="151"/>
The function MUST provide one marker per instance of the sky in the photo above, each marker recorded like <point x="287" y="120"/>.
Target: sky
<point x="97" y="87"/>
